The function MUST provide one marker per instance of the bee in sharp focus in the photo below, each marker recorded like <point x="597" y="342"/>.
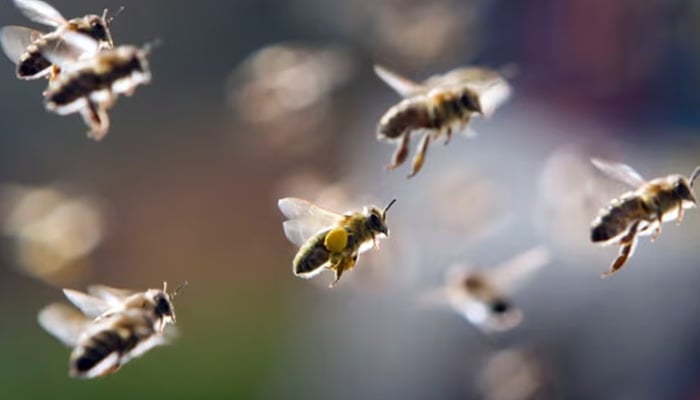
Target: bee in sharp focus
<point x="328" y="240"/>
<point x="641" y="211"/>
<point x="482" y="296"/>
<point x="112" y="327"/>
<point x="24" y="45"/>
<point x="437" y="107"/>
<point x="91" y="86"/>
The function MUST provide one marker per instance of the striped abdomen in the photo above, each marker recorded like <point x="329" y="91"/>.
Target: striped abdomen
<point x="615" y="219"/>
<point x="32" y="64"/>
<point x="314" y="254"/>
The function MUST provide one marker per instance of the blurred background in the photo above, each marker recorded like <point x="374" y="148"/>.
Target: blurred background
<point x="253" y="100"/>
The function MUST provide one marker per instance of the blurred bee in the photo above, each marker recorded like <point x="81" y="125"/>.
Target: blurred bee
<point x="328" y="240"/>
<point x="642" y="211"/>
<point x="91" y="86"/>
<point x="113" y="327"/>
<point x="482" y="297"/>
<point x="437" y="107"/>
<point x="24" y="46"/>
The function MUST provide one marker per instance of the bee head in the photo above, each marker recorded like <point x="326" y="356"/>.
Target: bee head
<point x="682" y="188"/>
<point x="163" y="302"/>
<point x="97" y="28"/>
<point x="376" y="219"/>
<point x="470" y="100"/>
<point x="500" y="306"/>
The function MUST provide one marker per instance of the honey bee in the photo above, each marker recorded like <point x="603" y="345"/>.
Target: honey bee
<point x="641" y="211"/>
<point x="113" y="326"/>
<point x="24" y="45"/>
<point x="328" y="240"/>
<point x="482" y="296"/>
<point x="437" y="107"/>
<point x="91" y="86"/>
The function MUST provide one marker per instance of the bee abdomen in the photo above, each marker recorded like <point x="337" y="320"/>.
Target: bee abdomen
<point x="616" y="218"/>
<point x="97" y="349"/>
<point x="32" y="64"/>
<point x="404" y="117"/>
<point x="311" y="256"/>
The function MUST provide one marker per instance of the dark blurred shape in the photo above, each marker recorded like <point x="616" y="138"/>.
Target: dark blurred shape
<point x="54" y="231"/>
<point x="285" y="92"/>
<point x="511" y="374"/>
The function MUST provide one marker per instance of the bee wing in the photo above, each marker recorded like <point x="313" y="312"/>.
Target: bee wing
<point x="15" y="40"/>
<point x="305" y="219"/>
<point x="404" y="86"/>
<point x="492" y="95"/>
<point x="91" y="306"/>
<point x="112" y="296"/>
<point x="63" y="322"/>
<point x="40" y="12"/>
<point x="620" y="172"/>
<point x="513" y="273"/>
<point x="66" y="49"/>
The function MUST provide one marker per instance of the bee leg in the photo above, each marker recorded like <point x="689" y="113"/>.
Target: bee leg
<point x="96" y="117"/>
<point x="627" y="245"/>
<point x="419" y="158"/>
<point x="341" y="267"/>
<point x="657" y="228"/>
<point x="401" y="152"/>
<point x="679" y="218"/>
<point x="448" y="135"/>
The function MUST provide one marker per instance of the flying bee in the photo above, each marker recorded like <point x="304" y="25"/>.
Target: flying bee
<point x="641" y="211"/>
<point x="328" y="240"/>
<point x="91" y="86"/>
<point x="112" y="327"/>
<point x="24" y="45"/>
<point x="437" y="107"/>
<point x="482" y="296"/>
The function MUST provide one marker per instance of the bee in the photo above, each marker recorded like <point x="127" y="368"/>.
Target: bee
<point x="641" y="211"/>
<point x="24" y="46"/>
<point x="482" y="296"/>
<point x="113" y="326"/>
<point x="91" y="86"/>
<point x="328" y="240"/>
<point x="437" y="107"/>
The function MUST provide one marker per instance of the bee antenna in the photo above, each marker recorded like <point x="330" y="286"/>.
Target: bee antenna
<point x="178" y="289"/>
<point x="388" y="206"/>
<point x="694" y="175"/>
<point x="113" y="16"/>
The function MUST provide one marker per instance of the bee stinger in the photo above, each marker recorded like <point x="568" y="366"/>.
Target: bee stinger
<point x="328" y="240"/>
<point x="641" y="211"/>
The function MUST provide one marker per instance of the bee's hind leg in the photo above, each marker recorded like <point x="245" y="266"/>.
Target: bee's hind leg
<point x="341" y="267"/>
<point x="679" y="218"/>
<point x="657" y="227"/>
<point x="419" y="158"/>
<point x="627" y="245"/>
<point x="401" y="152"/>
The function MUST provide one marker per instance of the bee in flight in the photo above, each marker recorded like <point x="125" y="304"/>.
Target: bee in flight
<point x="91" y="86"/>
<point x="24" y="45"/>
<point x="437" y="107"/>
<point x="112" y="327"/>
<point x="328" y="240"/>
<point x="640" y="211"/>
<point x="482" y="296"/>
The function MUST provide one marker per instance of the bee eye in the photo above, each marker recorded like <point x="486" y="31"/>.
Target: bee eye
<point x="468" y="102"/>
<point x="682" y="191"/>
<point x="375" y="222"/>
<point x="162" y="306"/>
<point x="500" y="306"/>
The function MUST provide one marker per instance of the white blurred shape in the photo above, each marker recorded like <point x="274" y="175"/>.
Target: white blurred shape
<point x="510" y="374"/>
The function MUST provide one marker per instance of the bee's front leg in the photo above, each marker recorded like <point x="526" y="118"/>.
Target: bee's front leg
<point x="419" y="158"/>
<point x="401" y="152"/>
<point x="679" y="218"/>
<point x="657" y="229"/>
<point x="627" y="245"/>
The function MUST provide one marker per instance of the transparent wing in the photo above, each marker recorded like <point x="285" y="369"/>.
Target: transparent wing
<point x="305" y="219"/>
<point x="40" y="12"/>
<point x="402" y="85"/>
<point x="91" y="306"/>
<point x="509" y="276"/>
<point x="620" y="172"/>
<point x="64" y="50"/>
<point x="112" y="296"/>
<point x="489" y="84"/>
<point x="63" y="322"/>
<point x="15" y="40"/>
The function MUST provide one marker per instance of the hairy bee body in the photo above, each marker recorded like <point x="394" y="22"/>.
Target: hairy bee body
<point x="438" y="110"/>
<point x="32" y="64"/>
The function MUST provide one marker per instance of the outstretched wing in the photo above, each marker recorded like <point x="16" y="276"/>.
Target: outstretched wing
<point x="111" y="296"/>
<point x="514" y="272"/>
<point x="15" y="40"/>
<point x="91" y="306"/>
<point x="65" y="50"/>
<point x="402" y="85"/>
<point x="489" y="84"/>
<point x="63" y="322"/>
<point x="620" y="172"/>
<point x="40" y="12"/>
<point x="305" y="219"/>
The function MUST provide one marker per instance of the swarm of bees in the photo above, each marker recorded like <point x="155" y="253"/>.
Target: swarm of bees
<point x="86" y="72"/>
<point x="112" y="327"/>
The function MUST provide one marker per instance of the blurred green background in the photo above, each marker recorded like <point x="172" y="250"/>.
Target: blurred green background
<point x="256" y="100"/>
